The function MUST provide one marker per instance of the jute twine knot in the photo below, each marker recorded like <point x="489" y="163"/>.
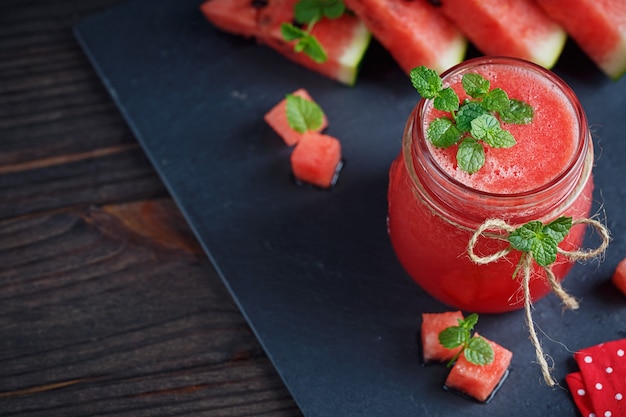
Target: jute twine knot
<point x="525" y="268"/>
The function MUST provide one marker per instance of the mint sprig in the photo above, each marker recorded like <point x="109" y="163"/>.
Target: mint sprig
<point x="475" y="348"/>
<point x="303" y="115"/>
<point x="308" y="13"/>
<point x="474" y="123"/>
<point x="540" y="240"/>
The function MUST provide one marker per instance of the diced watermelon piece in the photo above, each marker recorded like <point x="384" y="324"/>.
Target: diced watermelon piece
<point x="316" y="159"/>
<point x="479" y="381"/>
<point x="619" y="276"/>
<point x="516" y="28"/>
<point x="344" y="39"/>
<point x="277" y="119"/>
<point x="597" y="26"/>
<point x="413" y="32"/>
<point x="432" y="325"/>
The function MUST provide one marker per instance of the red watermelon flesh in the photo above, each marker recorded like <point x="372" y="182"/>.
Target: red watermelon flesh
<point x="479" y="381"/>
<point x="517" y="28"/>
<point x="233" y="16"/>
<point x="413" y="32"/>
<point x="432" y="325"/>
<point x="316" y="159"/>
<point x="619" y="276"/>
<point x="597" y="26"/>
<point x="344" y="39"/>
<point x="277" y="119"/>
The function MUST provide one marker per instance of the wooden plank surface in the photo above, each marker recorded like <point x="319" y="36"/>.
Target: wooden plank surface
<point x="108" y="306"/>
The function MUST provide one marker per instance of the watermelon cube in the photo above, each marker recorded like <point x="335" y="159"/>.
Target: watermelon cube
<point x="316" y="159"/>
<point x="619" y="276"/>
<point x="432" y="325"/>
<point x="480" y="381"/>
<point x="277" y="119"/>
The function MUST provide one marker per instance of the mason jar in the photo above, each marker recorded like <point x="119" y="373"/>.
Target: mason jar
<point x="434" y="208"/>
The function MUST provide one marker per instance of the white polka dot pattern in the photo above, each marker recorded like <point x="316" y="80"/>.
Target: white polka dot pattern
<point x="599" y="387"/>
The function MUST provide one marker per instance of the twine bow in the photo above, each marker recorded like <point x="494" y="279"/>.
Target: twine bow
<point x="525" y="268"/>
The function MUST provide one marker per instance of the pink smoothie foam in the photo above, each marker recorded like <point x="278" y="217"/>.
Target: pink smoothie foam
<point x="544" y="147"/>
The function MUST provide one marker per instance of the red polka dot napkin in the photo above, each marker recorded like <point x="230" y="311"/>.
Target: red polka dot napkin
<point x="599" y="389"/>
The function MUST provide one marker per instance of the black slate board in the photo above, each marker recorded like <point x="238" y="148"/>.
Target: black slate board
<point x="313" y="271"/>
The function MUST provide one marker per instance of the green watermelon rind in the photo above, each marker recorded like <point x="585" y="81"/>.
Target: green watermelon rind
<point x="452" y="55"/>
<point x="350" y="61"/>
<point x="548" y="51"/>
<point x="614" y="63"/>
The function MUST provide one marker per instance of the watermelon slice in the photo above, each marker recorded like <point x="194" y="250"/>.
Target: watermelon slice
<point x="619" y="276"/>
<point x="432" y="325"/>
<point x="344" y="39"/>
<point x="480" y="381"/>
<point x="316" y="159"/>
<point x="277" y="119"/>
<point x="413" y="32"/>
<point x="517" y="28"/>
<point x="597" y="26"/>
<point x="233" y="16"/>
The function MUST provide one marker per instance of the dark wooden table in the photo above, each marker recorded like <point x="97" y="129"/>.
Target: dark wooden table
<point x="108" y="306"/>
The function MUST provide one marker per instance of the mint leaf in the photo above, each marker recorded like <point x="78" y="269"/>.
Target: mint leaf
<point x="308" y="11"/>
<point x="469" y="322"/>
<point x="487" y="128"/>
<point x="306" y="43"/>
<point x="496" y="100"/>
<point x="544" y="250"/>
<point x="453" y="337"/>
<point x="333" y="8"/>
<point x="468" y="112"/>
<point x="426" y="81"/>
<point x="522" y="237"/>
<point x="539" y="240"/>
<point x="447" y="100"/>
<point x="291" y="32"/>
<point x="558" y="228"/>
<point x="519" y="112"/>
<point x="502" y="139"/>
<point x="478" y="351"/>
<point x="470" y="156"/>
<point x="312" y="48"/>
<point x="484" y="127"/>
<point x="303" y="115"/>
<point x="475" y="85"/>
<point x="443" y="133"/>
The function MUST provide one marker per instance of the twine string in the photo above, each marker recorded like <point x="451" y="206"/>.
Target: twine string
<point x="502" y="230"/>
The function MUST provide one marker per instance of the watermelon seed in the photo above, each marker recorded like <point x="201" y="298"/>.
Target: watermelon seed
<point x="436" y="3"/>
<point x="259" y="4"/>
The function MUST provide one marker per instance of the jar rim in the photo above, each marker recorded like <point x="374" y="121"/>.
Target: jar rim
<point x="573" y="170"/>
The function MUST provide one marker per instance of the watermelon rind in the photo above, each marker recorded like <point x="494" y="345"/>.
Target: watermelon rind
<point x="351" y="59"/>
<point x="615" y="64"/>
<point x="452" y="55"/>
<point x="548" y="51"/>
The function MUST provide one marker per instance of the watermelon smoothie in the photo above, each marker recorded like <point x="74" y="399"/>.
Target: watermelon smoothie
<point x="435" y="207"/>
